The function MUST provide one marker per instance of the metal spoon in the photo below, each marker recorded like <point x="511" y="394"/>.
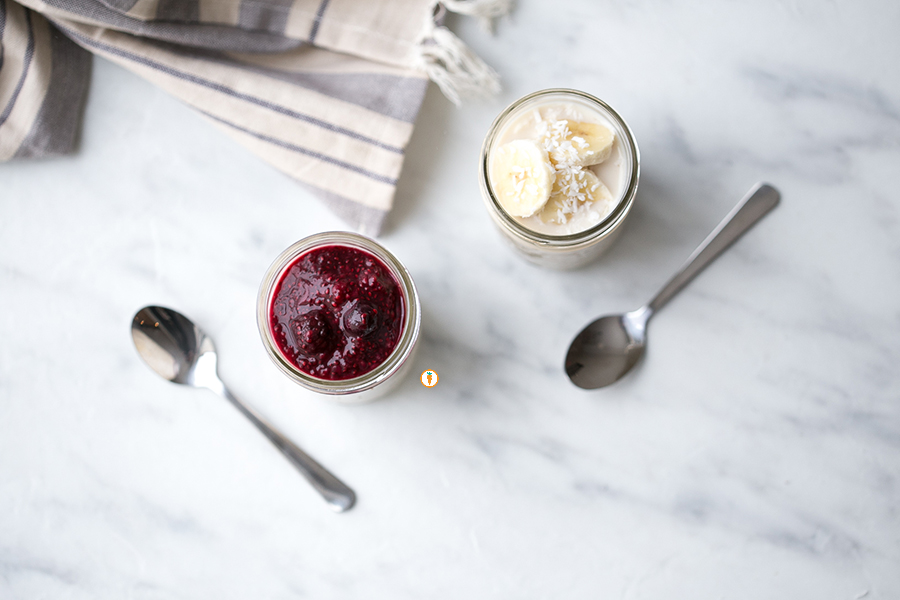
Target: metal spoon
<point x="176" y="349"/>
<point x="609" y="347"/>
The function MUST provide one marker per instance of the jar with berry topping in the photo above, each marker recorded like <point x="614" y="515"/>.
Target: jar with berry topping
<point x="559" y="173"/>
<point x="340" y="316"/>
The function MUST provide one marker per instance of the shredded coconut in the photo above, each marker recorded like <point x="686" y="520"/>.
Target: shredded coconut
<point x="571" y="194"/>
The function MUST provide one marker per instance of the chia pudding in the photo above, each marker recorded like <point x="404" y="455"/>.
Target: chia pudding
<point x="337" y="312"/>
<point x="340" y="316"/>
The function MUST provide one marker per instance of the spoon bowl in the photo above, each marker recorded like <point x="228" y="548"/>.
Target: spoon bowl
<point x="605" y="350"/>
<point x="174" y="347"/>
<point x="609" y="347"/>
<point x="170" y="343"/>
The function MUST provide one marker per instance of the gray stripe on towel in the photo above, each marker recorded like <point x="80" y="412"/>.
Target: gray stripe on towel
<point x="390" y="95"/>
<point x="393" y="96"/>
<point x="2" y="29"/>
<point x="230" y="92"/>
<point x="315" y="26"/>
<point x="2" y="23"/>
<point x="181" y="11"/>
<point x="55" y="130"/>
<point x="301" y="150"/>
<point x="268" y="16"/>
<point x="197" y="35"/>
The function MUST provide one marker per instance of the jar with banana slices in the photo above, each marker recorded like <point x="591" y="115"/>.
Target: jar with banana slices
<point x="559" y="172"/>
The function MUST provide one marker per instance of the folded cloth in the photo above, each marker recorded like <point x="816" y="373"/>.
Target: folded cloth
<point x="325" y="90"/>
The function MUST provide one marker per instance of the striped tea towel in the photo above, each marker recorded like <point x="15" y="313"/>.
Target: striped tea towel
<point x="325" y="90"/>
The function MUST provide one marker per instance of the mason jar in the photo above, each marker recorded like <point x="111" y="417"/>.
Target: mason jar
<point x="382" y="377"/>
<point x="565" y="250"/>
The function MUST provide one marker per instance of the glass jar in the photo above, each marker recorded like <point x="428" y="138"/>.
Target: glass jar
<point x="566" y="251"/>
<point x="380" y="379"/>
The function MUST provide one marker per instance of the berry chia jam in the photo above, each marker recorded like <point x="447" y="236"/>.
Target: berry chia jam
<point x="336" y="312"/>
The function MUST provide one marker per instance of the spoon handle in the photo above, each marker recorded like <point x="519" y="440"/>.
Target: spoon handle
<point x="336" y="493"/>
<point x="754" y="206"/>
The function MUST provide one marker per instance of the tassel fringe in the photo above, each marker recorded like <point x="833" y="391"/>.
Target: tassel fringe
<point x="449" y="63"/>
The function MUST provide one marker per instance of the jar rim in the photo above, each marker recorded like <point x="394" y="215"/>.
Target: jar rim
<point x="609" y="223"/>
<point x="411" y="318"/>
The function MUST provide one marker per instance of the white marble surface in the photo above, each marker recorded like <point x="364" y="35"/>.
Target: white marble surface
<point x="754" y="454"/>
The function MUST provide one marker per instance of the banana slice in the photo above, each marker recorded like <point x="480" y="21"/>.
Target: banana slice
<point x="575" y="190"/>
<point x="578" y="143"/>
<point x="522" y="177"/>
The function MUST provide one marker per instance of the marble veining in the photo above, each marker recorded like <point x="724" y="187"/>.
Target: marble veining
<point x="754" y="453"/>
